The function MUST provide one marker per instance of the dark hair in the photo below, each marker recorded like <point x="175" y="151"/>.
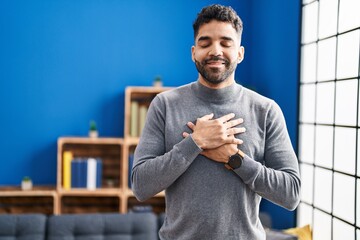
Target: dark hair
<point x="219" y="13"/>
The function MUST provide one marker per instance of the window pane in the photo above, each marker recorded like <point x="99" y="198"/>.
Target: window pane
<point x="307" y="103"/>
<point x="307" y="173"/>
<point x="346" y="102"/>
<point x="358" y="154"/>
<point x="348" y="55"/>
<point x="307" y="1"/>
<point x="343" y="230"/>
<point x="328" y="18"/>
<point x="322" y="226"/>
<point x="308" y="63"/>
<point x="358" y="203"/>
<point x="309" y="23"/>
<point x="306" y="146"/>
<point x="349" y="16"/>
<point x="325" y="102"/>
<point x="323" y="189"/>
<point x="344" y="197"/>
<point x="304" y="215"/>
<point x="345" y="150"/>
<point x="327" y="59"/>
<point x="324" y="146"/>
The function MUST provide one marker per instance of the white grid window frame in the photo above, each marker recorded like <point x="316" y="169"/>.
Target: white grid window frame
<point x="329" y="120"/>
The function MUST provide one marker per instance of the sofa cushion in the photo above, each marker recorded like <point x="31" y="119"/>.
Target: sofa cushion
<point x="22" y="226"/>
<point x="105" y="226"/>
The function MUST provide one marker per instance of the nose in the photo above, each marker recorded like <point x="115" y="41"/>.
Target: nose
<point x="215" y="50"/>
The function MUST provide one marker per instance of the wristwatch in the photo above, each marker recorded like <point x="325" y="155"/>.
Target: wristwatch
<point x="235" y="160"/>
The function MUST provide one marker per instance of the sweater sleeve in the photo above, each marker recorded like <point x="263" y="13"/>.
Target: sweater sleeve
<point x="154" y="169"/>
<point x="279" y="179"/>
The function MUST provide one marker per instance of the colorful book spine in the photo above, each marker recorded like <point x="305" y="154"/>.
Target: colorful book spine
<point x="91" y="174"/>
<point x="98" y="173"/>
<point x="83" y="173"/>
<point x="134" y="119"/>
<point x="131" y="161"/>
<point x="75" y="173"/>
<point x="142" y="117"/>
<point x="67" y="157"/>
<point x="86" y="173"/>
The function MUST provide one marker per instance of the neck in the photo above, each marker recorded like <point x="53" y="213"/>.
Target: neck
<point x="220" y="85"/>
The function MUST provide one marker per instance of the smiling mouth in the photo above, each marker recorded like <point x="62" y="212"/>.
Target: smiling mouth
<point x="215" y="61"/>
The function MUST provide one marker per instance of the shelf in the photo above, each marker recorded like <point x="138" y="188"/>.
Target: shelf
<point x="108" y="149"/>
<point x="129" y="193"/>
<point x="134" y="116"/>
<point x="89" y="204"/>
<point x="156" y="204"/>
<point x="86" y="192"/>
<point x="41" y="199"/>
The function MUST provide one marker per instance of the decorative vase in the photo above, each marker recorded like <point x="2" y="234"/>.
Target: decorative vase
<point x="93" y="134"/>
<point x="26" y="184"/>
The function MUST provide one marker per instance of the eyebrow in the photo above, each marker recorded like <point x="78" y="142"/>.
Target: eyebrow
<point x="206" y="38"/>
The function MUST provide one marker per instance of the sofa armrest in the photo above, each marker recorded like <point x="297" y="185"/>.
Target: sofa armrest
<point x="105" y="226"/>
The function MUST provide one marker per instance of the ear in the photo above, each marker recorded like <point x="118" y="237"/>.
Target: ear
<point x="241" y="53"/>
<point x="193" y="53"/>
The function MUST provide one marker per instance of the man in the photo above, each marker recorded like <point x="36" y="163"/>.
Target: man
<point x="195" y="147"/>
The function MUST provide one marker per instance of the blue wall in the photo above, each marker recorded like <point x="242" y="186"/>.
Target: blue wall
<point x="274" y="57"/>
<point x="64" y="62"/>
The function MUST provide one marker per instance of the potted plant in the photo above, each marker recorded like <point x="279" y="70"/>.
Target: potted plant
<point x="93" y="132"/>
<point x="26" y="183"/>
<point x="157" y="82"/>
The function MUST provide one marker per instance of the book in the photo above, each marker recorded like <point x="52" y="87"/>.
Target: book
<point x="75" y="173"/>
<point x="94" y="173"/>
<point x="67" y="157"/>
<point x="131" y="161"/>
<point x="142" y="117"/>
<point x="134" y="111"/>
<point x="98" y="173"/>
<point x="91" y="174"/>
<point x="83" y="173"/>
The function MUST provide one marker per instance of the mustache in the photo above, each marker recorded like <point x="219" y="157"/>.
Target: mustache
<point x="215" y="58"/>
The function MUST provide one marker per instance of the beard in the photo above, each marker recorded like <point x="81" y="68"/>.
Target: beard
<point x="215" y="75"/>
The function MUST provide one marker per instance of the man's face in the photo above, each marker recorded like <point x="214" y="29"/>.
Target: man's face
<point x="217" y="52"/>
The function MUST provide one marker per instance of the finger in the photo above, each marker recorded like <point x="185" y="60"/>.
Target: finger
<point x="185" y="134"/>
<point x="233" y="123"/>
<point x="191" y="125"/>
<point x="234" y="141"/>
<point x="207" y="117"/>
<point x="233" y="131"/>
<point x="226" y="117"/>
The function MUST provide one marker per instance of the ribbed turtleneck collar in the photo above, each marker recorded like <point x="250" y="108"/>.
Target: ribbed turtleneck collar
<point x="215" y="95"/>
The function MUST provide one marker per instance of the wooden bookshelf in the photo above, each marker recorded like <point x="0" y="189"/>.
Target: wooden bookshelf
<point x="143" y="96"/>
<point x="114" y="195"/>
<point x="108" y="149"/>
<point x="108" y="198"/>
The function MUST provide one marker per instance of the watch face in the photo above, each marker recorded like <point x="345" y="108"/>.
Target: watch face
<point x="235" y="161"/>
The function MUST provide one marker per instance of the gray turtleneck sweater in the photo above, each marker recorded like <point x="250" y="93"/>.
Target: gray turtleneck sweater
<point x="204" y="200"/>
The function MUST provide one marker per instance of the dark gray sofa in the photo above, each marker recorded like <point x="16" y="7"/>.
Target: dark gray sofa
<point x="102" y="226"/>
<point x="22" y="227"/>
<point x="105" y="226"/>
